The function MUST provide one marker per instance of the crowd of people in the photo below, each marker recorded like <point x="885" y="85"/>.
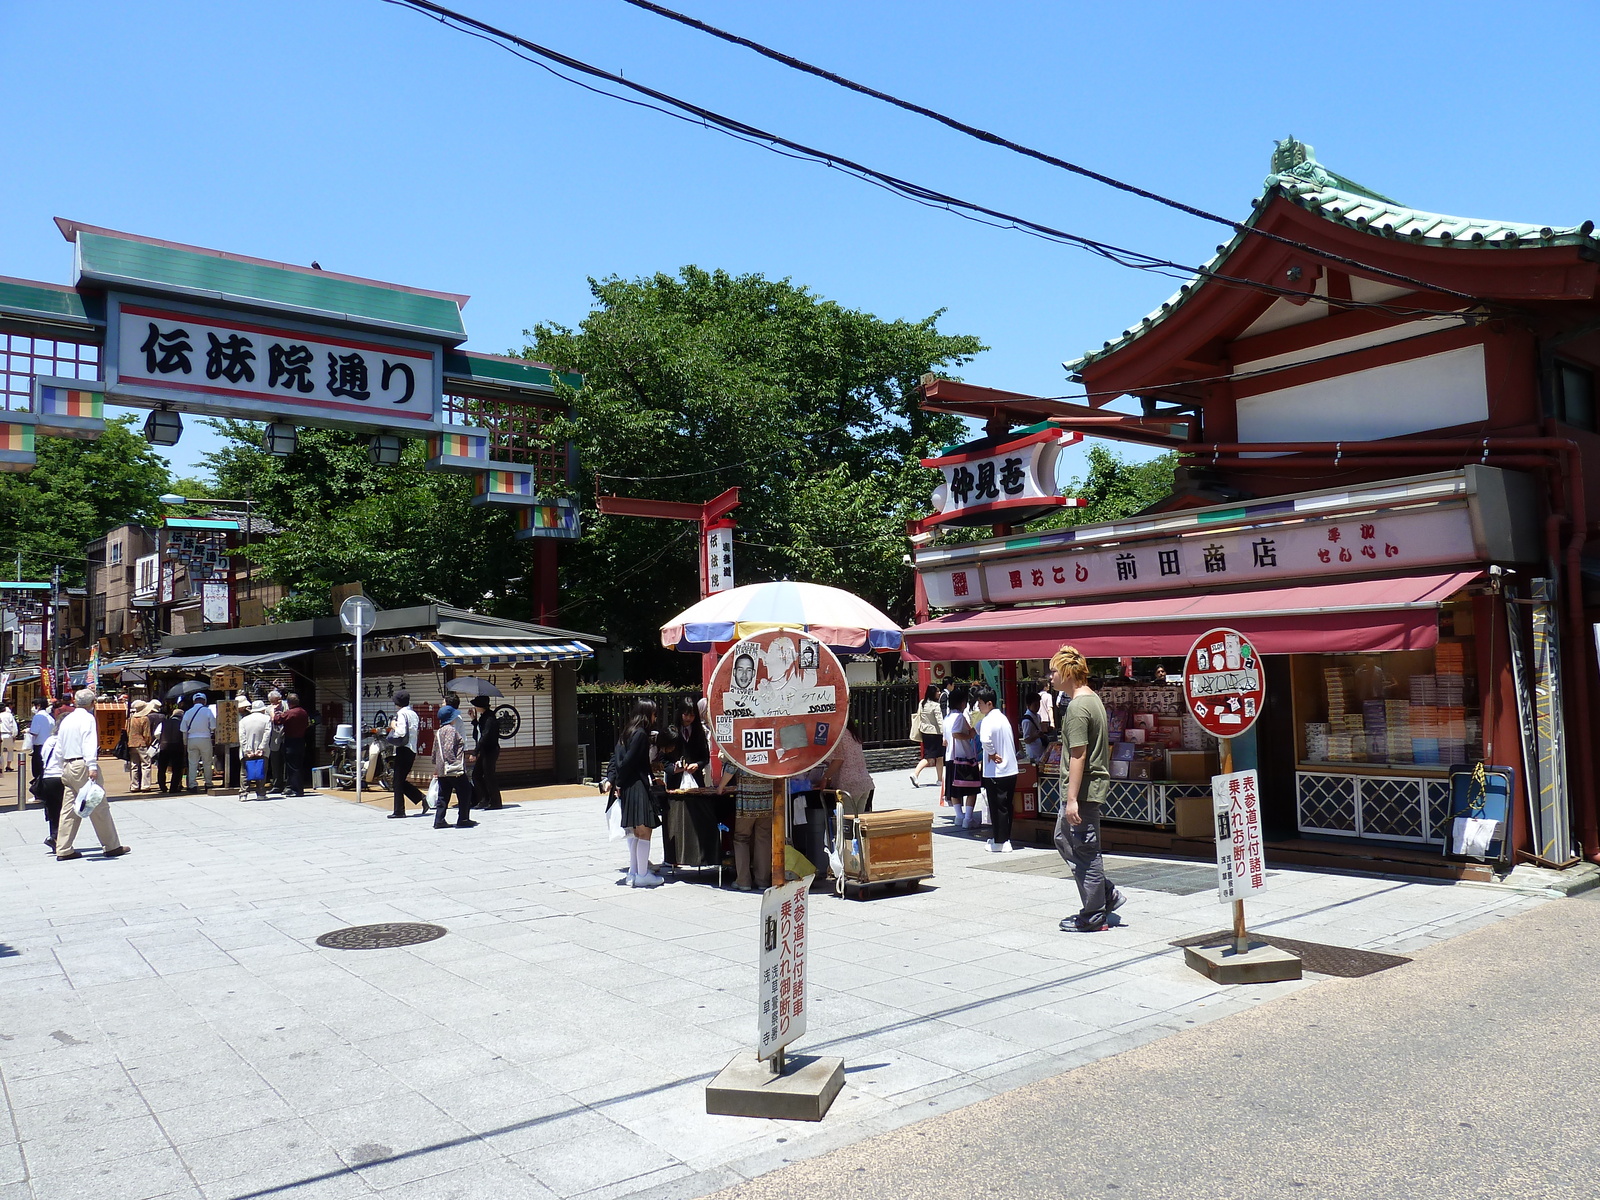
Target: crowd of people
<point x="465" y="761"/>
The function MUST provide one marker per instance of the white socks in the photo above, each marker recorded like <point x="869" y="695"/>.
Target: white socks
<point x="968" y="820"/>
<point x="641" y="857"/>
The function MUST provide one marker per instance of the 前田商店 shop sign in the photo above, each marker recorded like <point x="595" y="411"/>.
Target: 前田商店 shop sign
<point x="1320" y="549"/>
<point x="1009" y="481"/>
<point x="229" y="364"/>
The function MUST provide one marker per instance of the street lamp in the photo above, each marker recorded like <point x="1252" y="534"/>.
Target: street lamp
<point x="163" y="427"/>
<point x="280" y="440"/>
<point x="384" y="449"/>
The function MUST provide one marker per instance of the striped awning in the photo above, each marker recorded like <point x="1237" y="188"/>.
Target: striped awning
<point x="486" y="654"/>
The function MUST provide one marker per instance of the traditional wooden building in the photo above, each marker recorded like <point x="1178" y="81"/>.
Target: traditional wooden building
<point x="1383" y="418"/>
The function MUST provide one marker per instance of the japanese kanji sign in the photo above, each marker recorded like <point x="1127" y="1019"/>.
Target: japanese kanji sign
<point x="229" y="365"/>
<point x="781" y="962"/>
<point x="1223" y="682"/>
<point x="777" y="703"/>
<point x="1241" y="861"/>
<point x="1305" y="550"/>
<point x="1012" y="481"/>
<point x="719" y="558"/>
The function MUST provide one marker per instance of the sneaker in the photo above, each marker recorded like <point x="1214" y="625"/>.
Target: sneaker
<point x="647" y="880"/>
<point x="1073" y="925"/>
<point x="1118" y="899"/>
<point x="996" y="848"/>
<point x="914" y="782"/>
<point x="1005" y="848"/>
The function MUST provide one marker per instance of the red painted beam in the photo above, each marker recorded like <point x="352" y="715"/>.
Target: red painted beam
<point x="667" y="510"/>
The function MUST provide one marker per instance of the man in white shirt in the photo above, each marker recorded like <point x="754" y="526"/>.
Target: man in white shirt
<point x="78" y="743"/>
<point x="403" y="732"/>
<point x="40" y="728"/>
<point x="998" y="747"/>
<point x="199" y="725"/>
<point x="8" y="736"/>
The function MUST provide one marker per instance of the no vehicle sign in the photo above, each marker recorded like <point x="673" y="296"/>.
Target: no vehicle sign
<point x="778" y="701"/>
<point x="1223" y="682"/>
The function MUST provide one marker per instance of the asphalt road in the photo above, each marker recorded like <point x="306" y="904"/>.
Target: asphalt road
<point x="1470" y="1072"/>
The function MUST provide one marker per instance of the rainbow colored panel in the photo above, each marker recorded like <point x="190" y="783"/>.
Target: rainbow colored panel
<point x="552" y="520"/>
<point x="459" y="445"/>
<point x="505" y="483"/>
<point x="70" y="402"/>
<point x="16" y="437"/>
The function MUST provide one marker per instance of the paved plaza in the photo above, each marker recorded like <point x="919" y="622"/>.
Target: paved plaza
<point x="168" y="1026"/>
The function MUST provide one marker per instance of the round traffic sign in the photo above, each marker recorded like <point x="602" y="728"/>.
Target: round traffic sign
<point x="358" y="615"/>
<point x="1223" y="682"/>
<point x="777" y="703"/>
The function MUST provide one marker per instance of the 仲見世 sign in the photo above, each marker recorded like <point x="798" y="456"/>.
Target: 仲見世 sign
<point x="1241" y="860"/>
<point x="218" y="362"/>
<point x="781" y="965"/>
<point x="777" y="703"/>
<point x="1016" y="479"/>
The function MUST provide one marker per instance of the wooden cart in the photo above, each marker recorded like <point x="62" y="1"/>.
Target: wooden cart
<point x="883" y="849"/>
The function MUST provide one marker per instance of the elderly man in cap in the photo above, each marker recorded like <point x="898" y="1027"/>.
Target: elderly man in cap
<point x="255" y="735"/>
<point x="78" y="743"/>
<point x="199" y="726"/>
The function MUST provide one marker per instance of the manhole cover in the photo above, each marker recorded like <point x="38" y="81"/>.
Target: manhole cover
<point x="1314" y="956"/>
<point x="380" y="937"/>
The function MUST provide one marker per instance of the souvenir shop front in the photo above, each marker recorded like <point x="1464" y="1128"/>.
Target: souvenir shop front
<point x="1403" y="627"/>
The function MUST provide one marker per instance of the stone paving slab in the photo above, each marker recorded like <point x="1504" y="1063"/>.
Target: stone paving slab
<point x="169" y="1028"/>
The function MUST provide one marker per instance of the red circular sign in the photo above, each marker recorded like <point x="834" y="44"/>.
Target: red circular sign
<point x="777" y="703"/>
<point x="1223" y="682"/>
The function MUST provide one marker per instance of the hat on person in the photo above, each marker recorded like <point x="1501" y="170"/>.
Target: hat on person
<point x="447" y="713"/>
<point x="480" y="702"/>
<point x="243" y="701"/>
<point x="258" y="706"/>
<point x="198" y="698"/>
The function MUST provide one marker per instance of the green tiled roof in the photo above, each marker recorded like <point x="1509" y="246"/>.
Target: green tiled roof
<point x="24" y="298"/>
<point x="120" y="261"/>
<point x="517" y="372"/>
<point x="1298" y="177"/>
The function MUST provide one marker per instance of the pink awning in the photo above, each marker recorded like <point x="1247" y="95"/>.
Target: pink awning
<point x="1362" y="615"/>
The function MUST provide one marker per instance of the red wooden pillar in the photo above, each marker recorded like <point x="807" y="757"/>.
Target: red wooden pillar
<point x="546" y="582"/>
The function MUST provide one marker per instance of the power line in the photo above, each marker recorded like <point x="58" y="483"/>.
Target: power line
<point x="993" y="139"/>
<point x="966" y="209"/>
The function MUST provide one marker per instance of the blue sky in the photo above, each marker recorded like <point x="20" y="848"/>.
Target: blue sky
<point x="380" y="143"/>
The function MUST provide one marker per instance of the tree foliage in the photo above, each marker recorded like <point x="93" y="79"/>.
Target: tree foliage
<point x="702" y="381"/>
<point x="78" y="491"/>
<point x="1117" y="487"/>
<point x="409" y="535"/>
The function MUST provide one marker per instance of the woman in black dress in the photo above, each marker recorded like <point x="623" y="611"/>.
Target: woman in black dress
<point x="631" y="789"/>
<point x="694" y="750"/>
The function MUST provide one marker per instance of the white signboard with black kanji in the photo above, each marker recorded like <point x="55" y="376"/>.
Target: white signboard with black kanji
<point x="1241" y="855"/>
<point x="225" y="364"/>
<point x="781" y="983"/>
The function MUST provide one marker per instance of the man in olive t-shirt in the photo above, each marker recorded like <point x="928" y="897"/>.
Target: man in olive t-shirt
<point x="1085" y="784"/>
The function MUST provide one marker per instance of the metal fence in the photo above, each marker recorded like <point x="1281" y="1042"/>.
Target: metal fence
<point x="882" y="711"/>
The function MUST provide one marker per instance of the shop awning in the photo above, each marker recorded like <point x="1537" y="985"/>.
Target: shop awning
<point x="488" y="654"/>
<point x="1330" y="618"/>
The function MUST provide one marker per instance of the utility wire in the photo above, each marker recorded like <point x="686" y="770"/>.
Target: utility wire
<point x="993" y="139"/>
<point x="967" y="209"/>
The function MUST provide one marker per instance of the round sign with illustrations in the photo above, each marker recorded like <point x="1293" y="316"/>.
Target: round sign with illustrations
<point x="777" y="703"/>
<point x="1223" y="682"/>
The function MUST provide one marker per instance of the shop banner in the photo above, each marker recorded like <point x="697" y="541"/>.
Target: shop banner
<point x="781" y="1016"/>
<point x="1319" y="550"/>
<point x="214" y="603"/>
<point x="1241" y="861"/>
<point x="1015" y="480"/>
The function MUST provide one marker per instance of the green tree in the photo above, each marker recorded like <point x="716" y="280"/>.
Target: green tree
<point x="407" y="534"/>
<point x="79" y="490"/>
<point x="705" y="380"/>
<point x="1117" y="487"/>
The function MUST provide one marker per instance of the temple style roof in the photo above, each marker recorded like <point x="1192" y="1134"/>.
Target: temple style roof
<point x="1298" y="178"/>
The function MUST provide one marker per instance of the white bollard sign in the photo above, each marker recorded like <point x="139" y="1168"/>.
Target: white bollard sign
<point x="781" y="1014"/>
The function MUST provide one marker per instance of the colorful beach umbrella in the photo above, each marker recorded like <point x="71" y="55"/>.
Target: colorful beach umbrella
<point x="845" y="623"/>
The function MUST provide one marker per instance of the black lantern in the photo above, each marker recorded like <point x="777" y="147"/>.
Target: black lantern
<point x="384" y="448"/>
<point x="163" y="427"/>
<point x="280" y="440"/>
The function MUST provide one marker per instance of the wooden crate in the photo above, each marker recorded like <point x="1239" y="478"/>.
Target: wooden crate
<point x="895" y="845"/>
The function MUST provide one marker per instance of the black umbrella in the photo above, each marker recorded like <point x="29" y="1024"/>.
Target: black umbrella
<point x="188" y="688"/>
<point x="466" y="686"/>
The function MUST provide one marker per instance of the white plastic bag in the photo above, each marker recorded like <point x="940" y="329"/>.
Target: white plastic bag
<point x="1472" y="836"/>
<point x="433" y="792"/>
<point x="614" y="820"/>
<point x="90" y="796"/>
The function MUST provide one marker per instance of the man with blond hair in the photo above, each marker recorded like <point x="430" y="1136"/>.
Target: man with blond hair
<point x="1085" y="784"/>
<point x="78" y="744"/>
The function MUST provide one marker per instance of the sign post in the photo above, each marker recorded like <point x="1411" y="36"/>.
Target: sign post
<point x="1224" y="685"/>
<point x="359" y="616"/>
<point x="777" y="704"/>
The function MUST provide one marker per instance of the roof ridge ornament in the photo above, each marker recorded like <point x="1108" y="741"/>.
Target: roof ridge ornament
<point x="1295" y="162"/>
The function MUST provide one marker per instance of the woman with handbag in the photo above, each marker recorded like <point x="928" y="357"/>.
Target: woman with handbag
<point x="631" y="779"/>
<point x="255" y="736"/>
<point x="927" y="727"/>
<point x="965" y="779"/>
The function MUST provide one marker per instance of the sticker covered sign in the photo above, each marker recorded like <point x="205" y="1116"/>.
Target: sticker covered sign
<point x="778" y="701"/>
<point x="1223" y="682"/>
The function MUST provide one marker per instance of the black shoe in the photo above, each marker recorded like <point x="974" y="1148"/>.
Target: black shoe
<point x="397" y="816"/>
<point x="1075" y="925"/>
<point x="440" y="825"/>
<point x="50" y="843"/>
<point x="466" y="824"/>
<point x="117" y="853"/>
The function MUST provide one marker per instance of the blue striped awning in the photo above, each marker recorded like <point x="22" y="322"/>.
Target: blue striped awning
<point x="487" y="654"/>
